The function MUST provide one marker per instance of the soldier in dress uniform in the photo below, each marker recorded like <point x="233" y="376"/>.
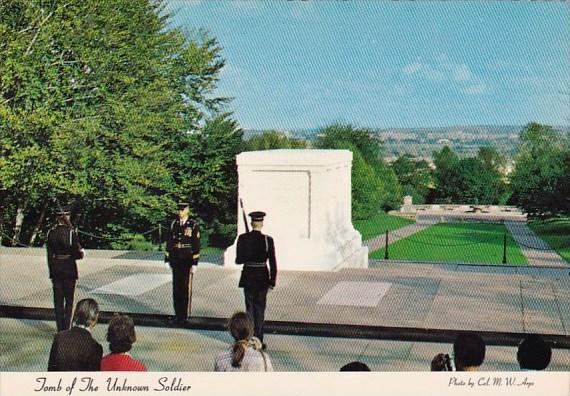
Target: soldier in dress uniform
<point x="63" y="249"/>
<point x="253" y="250"/>
<point x="183" y="253"/>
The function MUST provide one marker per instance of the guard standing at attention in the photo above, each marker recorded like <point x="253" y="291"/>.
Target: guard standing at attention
<point x="183" y="253"/>
<point x="254" y="250"/>
<point x="63" y="249"/>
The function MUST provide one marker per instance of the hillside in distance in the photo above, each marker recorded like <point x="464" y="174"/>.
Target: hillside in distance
<point x="421" y="142"/>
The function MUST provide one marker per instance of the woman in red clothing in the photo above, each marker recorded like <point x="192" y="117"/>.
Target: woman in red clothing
<point x="121" y="336"/>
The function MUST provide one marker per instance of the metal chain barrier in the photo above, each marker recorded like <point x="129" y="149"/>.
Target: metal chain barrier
<point x="19" y="244"/>
<point x="535" y="247"/>
<point x="104" y="238"/>
<point x="410" y="238"/>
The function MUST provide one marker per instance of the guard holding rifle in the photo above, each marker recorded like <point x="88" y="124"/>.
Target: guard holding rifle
<point x="63" y="249"/>
<point x="183" y="253"/>
<point x="253" y="250"/>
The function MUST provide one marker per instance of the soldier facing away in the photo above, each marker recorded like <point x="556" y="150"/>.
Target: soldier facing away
<point x="183" y="253"/>
<point x="254" y="250"/>
<point x="63" y="249"/>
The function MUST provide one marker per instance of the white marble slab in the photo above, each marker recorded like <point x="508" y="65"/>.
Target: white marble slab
<point x="134" y="285"/>
<point x="356" y="294"/>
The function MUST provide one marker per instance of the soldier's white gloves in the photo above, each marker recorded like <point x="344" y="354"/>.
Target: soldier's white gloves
<point x="193" y="269"/>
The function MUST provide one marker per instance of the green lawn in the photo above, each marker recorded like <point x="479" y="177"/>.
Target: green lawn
<point x="456" y="242"/>
<point x="378" y="224"/>
<point x="555" y="232"/>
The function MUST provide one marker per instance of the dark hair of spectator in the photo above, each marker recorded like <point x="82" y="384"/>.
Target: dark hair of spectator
<point x="441" y="362"/>
<point x="355" y="366"/>
<point x="534" y="353"/>
<point x="121" y="333"/>
<point x="241" y="329"/>
<point x="468" y="351"/>
<point x="86" y="312"/>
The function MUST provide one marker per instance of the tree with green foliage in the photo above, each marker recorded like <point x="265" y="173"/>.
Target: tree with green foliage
<point x="473" y="180"/>
<point x="364" y="139"/>
<point x="476" y="184"/>
<point x="389" y="184"/>
<point x="415" y="176"/>
<point x="491" y="158"/>
<point x="210" y="177"/>
<point x="374" y="184"/>
<point x="446" y="176"/>
<point x="540" y="179"/>
<point x="367" y="191"/>
<point x="100" y="103"/>
<point x="273" y="140"/>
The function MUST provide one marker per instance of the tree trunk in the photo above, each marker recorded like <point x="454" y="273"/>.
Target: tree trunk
<point x="39" y="223"/>
<point x="18" y="226"/>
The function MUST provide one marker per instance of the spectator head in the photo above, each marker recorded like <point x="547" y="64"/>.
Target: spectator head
<point x="241" y="329"/>
<point x="121" y="333"/>
<point x="86" y="313"/>
<point x="441" y="362"/>
<point x="468" y="352"/>
<point x="534" y="353"/>
<point x="240" y="326"/>
<point x="355" y="366"/>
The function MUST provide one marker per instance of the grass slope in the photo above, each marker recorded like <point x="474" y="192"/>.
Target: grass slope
<point x="555" y="232"/>
<point x="456" y="242"/>
<point x="378" y="224"/>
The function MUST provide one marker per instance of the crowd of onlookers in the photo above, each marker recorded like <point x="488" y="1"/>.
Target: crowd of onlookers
<point x="76" y="350"/>
<point x="469" y="354"/>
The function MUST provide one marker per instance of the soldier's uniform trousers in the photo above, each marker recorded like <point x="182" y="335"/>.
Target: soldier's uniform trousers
<point x="255" y="302"/>
<point x="180" y="287"/>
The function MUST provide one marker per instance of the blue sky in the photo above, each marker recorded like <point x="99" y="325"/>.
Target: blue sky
<point x="305" y="64"/>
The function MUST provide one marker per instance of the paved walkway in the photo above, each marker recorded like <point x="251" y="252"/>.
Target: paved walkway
<point x="392" y="293"/>
<point x="536" y="251"/>
<point x="379" y="241"/>
<point x="26" y="343"/>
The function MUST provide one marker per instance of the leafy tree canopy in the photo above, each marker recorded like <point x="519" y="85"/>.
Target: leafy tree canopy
<point x="103" y="105"/>
<point x="273" y="140"/>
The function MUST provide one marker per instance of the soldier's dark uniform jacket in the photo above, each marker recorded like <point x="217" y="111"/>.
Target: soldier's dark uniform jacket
<point x="63" y="249"/>
<point x="184" y="242"/>
<point x="253" y="250"/>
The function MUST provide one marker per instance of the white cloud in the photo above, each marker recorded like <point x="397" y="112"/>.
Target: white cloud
<point x="442" y="57"/>
<point x="461" y="72"/>
<point x="440" y="70"/>
<point x="412" y="68"/>
<point x="423" y="70"/>
<point x="477" y="89"/>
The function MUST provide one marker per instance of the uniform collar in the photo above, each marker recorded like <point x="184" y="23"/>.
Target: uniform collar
<point x="83" y="327"/>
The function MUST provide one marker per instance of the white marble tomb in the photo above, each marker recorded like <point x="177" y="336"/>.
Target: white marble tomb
<point x="307" y="197"/>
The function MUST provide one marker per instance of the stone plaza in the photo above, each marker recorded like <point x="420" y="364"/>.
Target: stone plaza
<point x="398" y="300"/>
